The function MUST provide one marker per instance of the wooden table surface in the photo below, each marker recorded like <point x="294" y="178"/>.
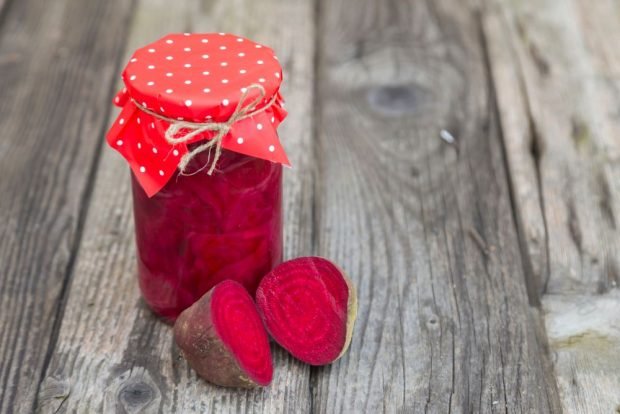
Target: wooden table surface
<point x="459" y="159"/>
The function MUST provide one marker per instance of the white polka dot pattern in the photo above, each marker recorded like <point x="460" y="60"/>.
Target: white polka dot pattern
<point x="177" y="61"/>
<point x="196" y="78"/>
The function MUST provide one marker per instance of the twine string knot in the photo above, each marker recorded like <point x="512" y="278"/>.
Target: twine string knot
<point x="193" y="129"/>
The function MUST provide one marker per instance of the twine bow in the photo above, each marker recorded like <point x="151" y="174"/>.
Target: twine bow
<point x="196" y="128"/>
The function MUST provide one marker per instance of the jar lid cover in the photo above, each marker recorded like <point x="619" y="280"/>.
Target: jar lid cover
<point x="196" y="78"/>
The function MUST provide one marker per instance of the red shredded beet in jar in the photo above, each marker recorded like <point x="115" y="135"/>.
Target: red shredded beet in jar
<point x="201" y="229"/>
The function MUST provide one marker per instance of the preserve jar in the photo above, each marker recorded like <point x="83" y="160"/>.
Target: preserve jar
<point x="198" y="128"/>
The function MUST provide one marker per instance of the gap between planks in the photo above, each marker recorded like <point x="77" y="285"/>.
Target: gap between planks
<point x="554" y="65"/>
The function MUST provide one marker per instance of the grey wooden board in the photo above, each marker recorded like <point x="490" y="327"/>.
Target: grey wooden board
<point x="554" y="67"/>
<point x="57" y="62"/>
<point x="424" y="228"/>
<point x="112" y="355"/>
<point x="584" y="334"/>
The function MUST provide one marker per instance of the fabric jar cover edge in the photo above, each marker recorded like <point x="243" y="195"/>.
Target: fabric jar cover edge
<point x="196" y="78"/>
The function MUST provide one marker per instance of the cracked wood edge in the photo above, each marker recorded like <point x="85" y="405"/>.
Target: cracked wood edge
<point x="112" y="354"/>
<point x="423" y="227"/>
<point x="556" y="70"/>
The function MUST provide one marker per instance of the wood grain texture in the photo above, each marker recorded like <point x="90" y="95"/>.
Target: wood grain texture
<point x="584" y="333"/>
<point x="57" y="62"/>
<point x="112" y="354"/>
<point x="555" y="68"/>
<point x="424" y="227"/>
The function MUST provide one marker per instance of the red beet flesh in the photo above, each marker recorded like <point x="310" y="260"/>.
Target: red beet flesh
<point x="223" y="338"/>
<point x="309" y="308"/>
<point x="238" y="323"/>
<point x="200" y="230"/>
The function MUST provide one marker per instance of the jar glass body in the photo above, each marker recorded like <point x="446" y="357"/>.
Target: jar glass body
<point x="201" y="229"/>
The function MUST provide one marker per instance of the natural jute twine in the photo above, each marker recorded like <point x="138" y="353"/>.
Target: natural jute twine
<point x="197" y="128"/>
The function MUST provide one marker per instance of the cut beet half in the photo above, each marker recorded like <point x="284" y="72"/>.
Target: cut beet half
<point x="223" y="338"/>
<point x="309" y="307"/>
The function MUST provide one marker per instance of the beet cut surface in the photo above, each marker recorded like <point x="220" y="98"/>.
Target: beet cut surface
<point x="309" y="307"/>
<point x="223" y="338"/>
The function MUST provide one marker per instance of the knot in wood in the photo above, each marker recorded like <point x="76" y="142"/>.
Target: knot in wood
<point x="394" y="100"/>
<point x="135" y="396"/>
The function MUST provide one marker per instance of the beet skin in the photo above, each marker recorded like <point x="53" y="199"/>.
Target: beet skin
<point x="223" y="338"/>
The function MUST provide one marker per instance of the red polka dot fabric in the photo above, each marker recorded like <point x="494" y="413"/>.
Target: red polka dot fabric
<point x="196" y="78"/>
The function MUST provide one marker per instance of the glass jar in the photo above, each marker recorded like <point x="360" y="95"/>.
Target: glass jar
<point x="198" y="128"/>
<point x="201" y="229"/>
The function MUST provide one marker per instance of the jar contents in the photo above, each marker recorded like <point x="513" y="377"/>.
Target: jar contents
<point x="202" y="229"/>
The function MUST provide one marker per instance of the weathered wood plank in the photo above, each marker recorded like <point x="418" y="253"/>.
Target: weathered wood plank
<point x="555" y="66"/>
<point x="57" y="61"/>
<point x="112" y="355"/>
<point x="424" y="227"/>
<point x="584" y="333"/>
<point x="520" y="148"/>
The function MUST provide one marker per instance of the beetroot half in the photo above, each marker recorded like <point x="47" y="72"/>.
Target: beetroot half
<point x="223" y="338"/>
<point x="309" y="307"/>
